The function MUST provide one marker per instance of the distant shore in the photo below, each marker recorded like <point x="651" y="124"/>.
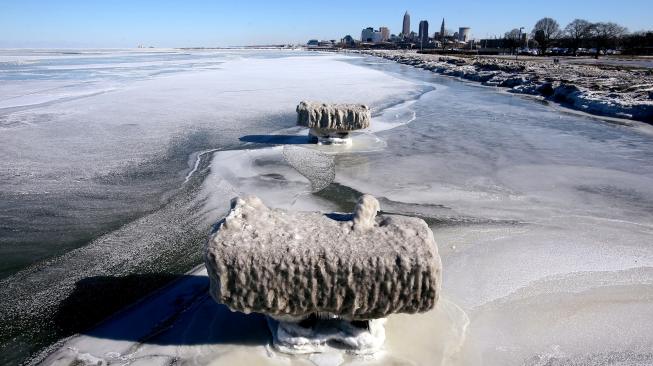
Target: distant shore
<point x="600" y="89"/>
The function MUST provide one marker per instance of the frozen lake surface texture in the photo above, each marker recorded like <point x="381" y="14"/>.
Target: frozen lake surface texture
<point x="115" y="164"/>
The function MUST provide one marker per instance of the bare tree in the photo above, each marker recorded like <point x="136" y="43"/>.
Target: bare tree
<point x="578" y="31"/>
<point x="544" y="31"/>
<point x="511" y="39"/>
<point x="638" y="43"/>
<point x="443" y="38"/>
<point x="606" y="35"/>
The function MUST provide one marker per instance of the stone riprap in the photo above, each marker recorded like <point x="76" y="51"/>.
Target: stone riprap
<point x="290" y="265"/>
<point x="606" y="90"/>
<point x="331" y="123"/>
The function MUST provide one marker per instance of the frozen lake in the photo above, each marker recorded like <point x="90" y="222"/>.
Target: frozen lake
<point x="116" y="163"/>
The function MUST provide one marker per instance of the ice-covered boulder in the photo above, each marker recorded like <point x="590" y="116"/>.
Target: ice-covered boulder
<point x="565" y="93"/>
<point x="291" y="265"/>
<point x="513" y="81"/>
<point x="331" y="123"/>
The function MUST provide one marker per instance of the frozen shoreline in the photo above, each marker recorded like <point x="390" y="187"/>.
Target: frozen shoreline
<point x="543" y="218"/>
<point x="599" y="90"/>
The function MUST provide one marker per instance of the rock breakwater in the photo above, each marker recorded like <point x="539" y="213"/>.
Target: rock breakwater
<point x="596" y="89"/>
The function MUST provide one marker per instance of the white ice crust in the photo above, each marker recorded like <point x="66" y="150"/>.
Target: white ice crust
<point x="290" y="337"/>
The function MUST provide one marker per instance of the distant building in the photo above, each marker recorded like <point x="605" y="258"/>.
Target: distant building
<point x="367" y="34"/>
<point x="385" y="34"/>
<point x="493" y="43"/>
<point x="405" y="31"/>
<point x="371" y="36"/>
<point x="348" y="41"/>
<point x="313" y="43"/>
<point x="443" y="32"/>
<point x="463" y="34"/>
<point x="423" y="36"/>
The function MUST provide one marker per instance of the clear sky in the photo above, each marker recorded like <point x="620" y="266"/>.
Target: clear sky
<point x="163" y="23"/>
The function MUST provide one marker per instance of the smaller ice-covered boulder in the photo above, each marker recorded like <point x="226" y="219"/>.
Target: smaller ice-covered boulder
<point x="331" y="123"/>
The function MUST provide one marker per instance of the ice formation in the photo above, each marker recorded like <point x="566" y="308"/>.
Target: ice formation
<point x="331" y="123"/>
<point x="347" y="269"/>
<point x="294" y="338"/>
<point x="365" y="212"/>
<point x="605" y="90"/>
<point x="317" y="167"/>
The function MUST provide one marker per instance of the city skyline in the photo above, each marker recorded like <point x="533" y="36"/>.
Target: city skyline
<point x="74" y="23"/>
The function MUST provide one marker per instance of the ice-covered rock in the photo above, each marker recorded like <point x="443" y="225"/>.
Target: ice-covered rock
<point x="331" y="123"/>
<point x="513" y="81"/>
<point x="565" y="93"/>
<point x="546" y="89"/>
<point x="598" y="89"/>
<point x="291" y="265"/>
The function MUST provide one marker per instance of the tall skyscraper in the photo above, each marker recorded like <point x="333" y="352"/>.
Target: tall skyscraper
<point x="423" y="32"/>
<point x="405" y="31"/>
<point x="442" y="31"/>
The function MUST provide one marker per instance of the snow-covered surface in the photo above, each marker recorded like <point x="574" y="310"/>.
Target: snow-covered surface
<point x="182" y="323"/>
<point x="543" y="217"/>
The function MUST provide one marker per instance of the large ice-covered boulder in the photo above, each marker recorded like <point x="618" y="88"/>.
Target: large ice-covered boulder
<point x="290" y="265"/>
<point x="331" y="123"/>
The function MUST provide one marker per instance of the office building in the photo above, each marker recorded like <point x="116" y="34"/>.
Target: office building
<point x="405" y="31"/>
<point x="463" y="34"/>
<point x="385" y="34"/>
<point x="423" y="32"/>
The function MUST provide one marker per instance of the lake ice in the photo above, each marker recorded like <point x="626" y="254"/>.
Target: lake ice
<point x="115" y="164"/>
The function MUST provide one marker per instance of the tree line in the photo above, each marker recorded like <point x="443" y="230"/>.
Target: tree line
<point x="582" y="34"/>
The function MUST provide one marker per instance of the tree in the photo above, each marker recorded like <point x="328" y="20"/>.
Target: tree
<point x="606" y="35"/>
<point x="544" y="31"/>
<point x="443" y="38"/>
<point x="512" y="40"/>
<point x="578" y="31"/>
<point x="638" y="43"/>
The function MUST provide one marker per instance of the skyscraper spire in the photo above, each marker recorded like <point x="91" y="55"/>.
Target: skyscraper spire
<point x="442" y="34"/>
<point x="405" y="31"/>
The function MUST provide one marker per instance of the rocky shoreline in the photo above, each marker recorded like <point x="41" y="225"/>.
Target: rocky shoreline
<point x="600" y="90"/>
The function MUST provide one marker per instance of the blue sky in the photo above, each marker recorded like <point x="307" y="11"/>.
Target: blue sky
<point x="127" y="23"/>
